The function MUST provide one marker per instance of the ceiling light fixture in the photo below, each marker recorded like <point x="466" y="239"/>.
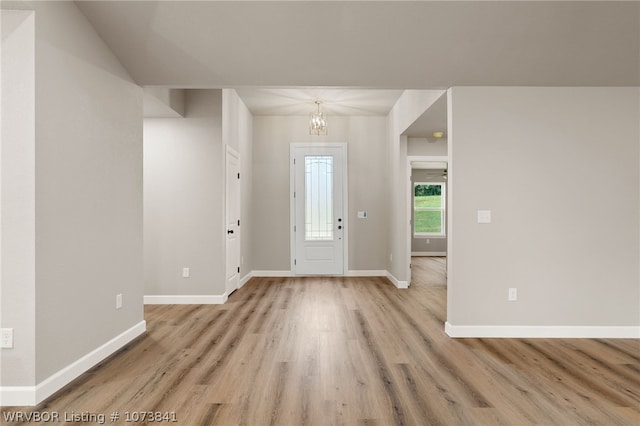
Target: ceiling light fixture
<point x="438" y="135"/>
<point x="318" y="122"/>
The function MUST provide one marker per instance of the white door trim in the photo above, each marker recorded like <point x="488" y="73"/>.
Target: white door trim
<point x="345" y="199"/>
<point x="426" y="159"/>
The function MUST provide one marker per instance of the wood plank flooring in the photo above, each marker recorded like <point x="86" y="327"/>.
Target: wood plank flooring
<point x="428" y="270"/>
<point x="352" y="351"/>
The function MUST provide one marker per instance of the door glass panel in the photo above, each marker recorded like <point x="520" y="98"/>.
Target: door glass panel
<point x="318" y="171"/>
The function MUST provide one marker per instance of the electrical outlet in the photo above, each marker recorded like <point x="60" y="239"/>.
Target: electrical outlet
<point x="513" y="294"/>
<point x="118" y="300"/>
<point x="185" y="272"/>
<point x="6" y="338"/>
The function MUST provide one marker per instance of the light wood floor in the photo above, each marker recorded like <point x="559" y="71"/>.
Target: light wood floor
<point x="428" y="271"/>
<point x="353" y="351"/>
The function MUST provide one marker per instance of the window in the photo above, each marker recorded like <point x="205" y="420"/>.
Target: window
<point x="428" y="209"/>
<point x="318" y="171"/>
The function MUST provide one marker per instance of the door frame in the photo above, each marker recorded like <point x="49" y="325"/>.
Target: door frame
<point x="345" y="199"/>
<point x="233" y="153"/>
<point x="409" y="233"/>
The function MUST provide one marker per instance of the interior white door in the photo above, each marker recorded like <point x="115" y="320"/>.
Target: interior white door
<point x="232" y="220"/>
<point x="319" y="227"/>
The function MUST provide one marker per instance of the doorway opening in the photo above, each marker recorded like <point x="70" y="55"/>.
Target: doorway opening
<point x="428" y="223"/>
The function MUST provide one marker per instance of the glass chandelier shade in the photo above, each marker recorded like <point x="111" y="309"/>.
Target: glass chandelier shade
<point x="318" y="122"/>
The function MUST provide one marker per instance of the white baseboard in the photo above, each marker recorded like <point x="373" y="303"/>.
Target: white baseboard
<point x="195" y="299"/>
<point x="367" y="273"/>
<point x="518" y="331"/>
<point x="12" y="396"/>
<point x="428" y="253"/>
<point x="396" y="282"/>
<point x="18" y="396"/>
<point x="272" y="274"/>
<point x="245" y="279"/>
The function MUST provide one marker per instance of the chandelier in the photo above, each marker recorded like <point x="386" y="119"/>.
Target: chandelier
<point x="318" y="122"/>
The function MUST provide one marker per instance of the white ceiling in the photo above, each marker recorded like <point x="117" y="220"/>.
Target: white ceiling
<point x="372" y="44"/>
<point x="340" y="51"/>
<point x="342" y="101"/>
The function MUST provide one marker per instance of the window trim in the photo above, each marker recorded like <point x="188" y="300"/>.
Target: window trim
<point x="442" y="210"/>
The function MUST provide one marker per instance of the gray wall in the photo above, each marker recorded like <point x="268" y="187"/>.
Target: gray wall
<point x="427" y="146"/>
<point x="430" y="244"/>
<point x="88" y="192"/>
<point x="559" y="168"/>
<point x="365" y="137"/>
<point x="368" y="243"/>
<point x="17" y="215"/>
<point x="184" y="199"/>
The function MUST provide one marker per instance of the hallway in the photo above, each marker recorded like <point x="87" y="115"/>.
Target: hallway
<point x="429" y="271"/>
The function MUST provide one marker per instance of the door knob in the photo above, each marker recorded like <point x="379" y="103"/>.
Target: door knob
<point x="340" y="227"/>
<point x="230" y="231"/>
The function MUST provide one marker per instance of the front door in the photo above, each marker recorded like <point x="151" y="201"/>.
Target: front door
<point x="319" y="222"/>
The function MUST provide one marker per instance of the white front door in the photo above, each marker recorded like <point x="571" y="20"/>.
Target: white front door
<point x="318" y="172"/>
<point x="232" y="220"/>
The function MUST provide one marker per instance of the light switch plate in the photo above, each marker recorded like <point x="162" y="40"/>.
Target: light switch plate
<point x="6" y="338"/>
<point x="484" y="216"/>
<point x="118" y="300"/>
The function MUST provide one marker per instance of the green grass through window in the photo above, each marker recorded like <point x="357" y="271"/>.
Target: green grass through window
<point x="428" y="221"/>
<point x="434" y="201"/>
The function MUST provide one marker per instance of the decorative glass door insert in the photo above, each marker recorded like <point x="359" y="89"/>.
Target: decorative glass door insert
<point x="318" y="197"/>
